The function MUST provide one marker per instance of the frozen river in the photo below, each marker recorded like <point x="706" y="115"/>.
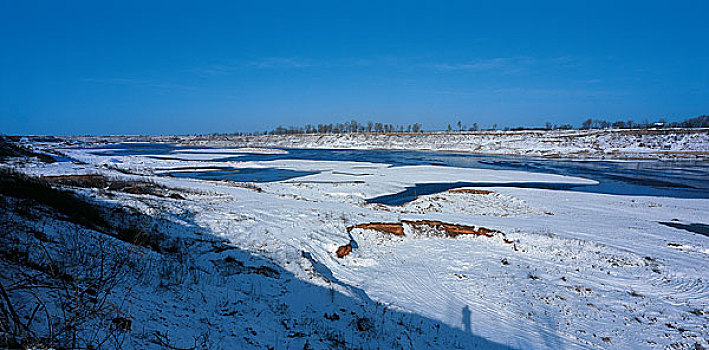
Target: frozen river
<point x="678" y="179"/>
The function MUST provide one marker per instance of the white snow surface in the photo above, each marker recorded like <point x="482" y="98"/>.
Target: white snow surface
<point x="571" y="269"/>
<point x="587" y="144"/>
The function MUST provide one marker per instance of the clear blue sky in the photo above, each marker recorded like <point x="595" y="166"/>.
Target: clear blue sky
<point x="162" y="67"/>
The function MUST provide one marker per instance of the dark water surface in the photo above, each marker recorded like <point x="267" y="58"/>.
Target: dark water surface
<point x="702" y="229"/>
<point x="680" y="179"/>
<point x="242" y="174"/>
<point x="410" y="193"/>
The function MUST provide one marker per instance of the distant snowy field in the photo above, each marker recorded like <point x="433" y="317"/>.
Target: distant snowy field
<point x="612" y="144"/>
<point x="566" y="270"/>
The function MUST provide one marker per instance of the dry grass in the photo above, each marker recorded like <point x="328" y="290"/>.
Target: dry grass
<point x="121" y="223"/>
<point x="9" y="149"/>
<point x="118" y="185"/>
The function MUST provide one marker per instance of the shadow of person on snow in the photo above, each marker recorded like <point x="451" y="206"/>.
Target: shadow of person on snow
<point x="466" y="319"/>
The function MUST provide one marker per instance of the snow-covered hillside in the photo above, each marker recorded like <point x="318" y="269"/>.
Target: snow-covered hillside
<point x="245" y="265"/>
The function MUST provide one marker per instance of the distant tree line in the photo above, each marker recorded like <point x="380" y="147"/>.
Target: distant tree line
<point x="460" y="127"/>
<point x="701" y="121"/>
<point x="351" y="127"/>
<point x="354" y="126"/>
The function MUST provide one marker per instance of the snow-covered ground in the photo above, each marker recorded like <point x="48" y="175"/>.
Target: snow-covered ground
<point x="606" y="144"/>
<point x="567" y="269"/>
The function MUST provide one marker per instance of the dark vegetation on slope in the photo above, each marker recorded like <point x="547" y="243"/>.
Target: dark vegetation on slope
<point x="80" y="210"/>
<point x="112" y="184"/>
<point x="68" y="264"/>
<point x="55" y="289"/>
<point x="9" y="149"/>
<point x="66" y="283"/>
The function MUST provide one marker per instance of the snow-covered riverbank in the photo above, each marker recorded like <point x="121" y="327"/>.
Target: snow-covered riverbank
<point x="561" y="269"/>
<point x="606" y="144"/>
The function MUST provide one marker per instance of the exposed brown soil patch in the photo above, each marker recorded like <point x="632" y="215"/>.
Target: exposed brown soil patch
<point x="469" y="191"/>
<point x="395" y="228"/>
<point x="451" y="230"/>
<point x="343" y="250"/>
<point x="695" y="153"/>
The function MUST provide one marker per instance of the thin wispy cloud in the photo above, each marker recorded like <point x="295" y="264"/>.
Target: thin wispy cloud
<point x="281" y="63"/>
<point x="567" y="61"/>
<point x="499" y="64"/>
<point x="527" y="92"/>
<point x="268" y="63"/>
<point x="215" y="70"/>
<point x="510" y="64"/>
<point x="592" y="81"/>
<point x="542" y="92"/>
<point x="140" y="83"/>
<point x="504" y="65"/>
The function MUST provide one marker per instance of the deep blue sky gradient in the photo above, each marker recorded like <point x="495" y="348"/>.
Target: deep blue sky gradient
<point x="139" y="67"/>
